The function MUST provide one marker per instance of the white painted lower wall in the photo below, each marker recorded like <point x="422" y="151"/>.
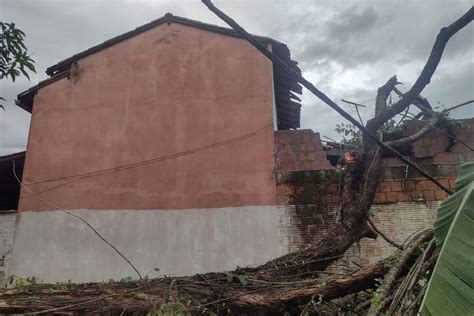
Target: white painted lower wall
<point x="54" y="246"/>
<point x="7" y="230"/>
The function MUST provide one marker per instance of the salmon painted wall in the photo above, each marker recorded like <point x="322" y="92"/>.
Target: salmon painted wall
<point x="172" y="90"/>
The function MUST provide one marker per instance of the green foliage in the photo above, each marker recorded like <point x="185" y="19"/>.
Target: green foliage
<point x="313" y="307"/>
<point x="375" y="299"/>
<point x="351" y="135"/>
<point x="448" y="123"/>
<point x="21" y="284"/>
<point x="242" y="277"/>
<point x="450" y="290"/>
<point x="171" y="308"/>
<point x="128" y="281"/>
<point x="14" y="58"/>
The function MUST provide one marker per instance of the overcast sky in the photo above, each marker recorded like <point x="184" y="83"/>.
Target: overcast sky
<point x="347" y="48"/>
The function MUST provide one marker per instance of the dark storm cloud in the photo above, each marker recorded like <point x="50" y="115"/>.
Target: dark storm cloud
<point x="346" y="48"/>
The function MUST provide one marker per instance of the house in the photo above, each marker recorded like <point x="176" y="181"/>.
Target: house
<point x="179" y="143"/>
<point x="163" y="140"/>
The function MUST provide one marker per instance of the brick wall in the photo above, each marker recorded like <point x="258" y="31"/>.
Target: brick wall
<point x="307" y="191"/>
<point x="299" y="150"/>
<point x="412" y="190"/>
<point x="7" y="231"/>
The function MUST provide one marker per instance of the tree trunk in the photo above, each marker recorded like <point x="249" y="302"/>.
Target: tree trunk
<point x="190" y="294"/>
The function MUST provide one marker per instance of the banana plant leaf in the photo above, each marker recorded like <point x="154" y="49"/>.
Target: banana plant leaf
<point x="450" y="290"/>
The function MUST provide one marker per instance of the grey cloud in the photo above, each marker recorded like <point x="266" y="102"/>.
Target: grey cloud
<point x="354" y="21"/>
<point x="347" y="50"/>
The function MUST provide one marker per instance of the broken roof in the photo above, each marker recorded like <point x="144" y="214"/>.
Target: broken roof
<point x="287" y="103"/>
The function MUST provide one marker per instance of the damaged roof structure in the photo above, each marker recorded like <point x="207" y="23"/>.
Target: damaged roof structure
<point x="286" y="89"/>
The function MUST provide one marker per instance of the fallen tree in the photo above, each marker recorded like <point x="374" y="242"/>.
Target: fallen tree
<point x="237" y="292"/>
<point x="287" y="282"/>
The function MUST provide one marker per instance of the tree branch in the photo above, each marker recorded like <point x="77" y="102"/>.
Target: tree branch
<point x="392" y="276"/>
<point x="357" y="109"/>
<point x="459" y="105"/>
<point x="420" y="102"/>
<point x="391" y="242"/>
<point x="382" y="95"/>
<point x="425" y="76"/>
<point x="294" y="74"/>
<point x="353" y="103"/>
<point x="417" y="136"/>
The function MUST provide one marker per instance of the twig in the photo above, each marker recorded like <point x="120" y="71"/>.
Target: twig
<point x="353" y="103"/>
<point x="292" y="72"/>
<point x="411" y="278"/>
<point x="335" y="141"/>
<point x="420" y="102"/>
<point x="383" y="235"/>
<point x="78" y="217"/>
<point x="404" y="116"/>
<point x="416" y="136"/>
<point x="231" y="297"/>
<point x="209" y="283"/>
<point x="357" y="109"/>
<point x="123" y="312"/>
<point x="47" y="311"/>
<point x="459" y="105"/>
<point x="391" y="277"/>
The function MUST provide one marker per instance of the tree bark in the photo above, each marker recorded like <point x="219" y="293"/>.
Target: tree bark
<point x="193" y="294"/>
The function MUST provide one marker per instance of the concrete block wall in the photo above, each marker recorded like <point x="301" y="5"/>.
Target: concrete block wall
<point x="398" y="221"/>
<point x="436" y="142"/>
<point x="7" y="231"/>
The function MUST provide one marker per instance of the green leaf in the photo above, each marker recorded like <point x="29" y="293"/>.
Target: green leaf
<point x="466" y="176"/>
<point x="25" y="73"/>
<point x="450" y="290"/>
<point x="30" y="66"/>
<point x="243" y="279"/>
<point x="228" y="276"/>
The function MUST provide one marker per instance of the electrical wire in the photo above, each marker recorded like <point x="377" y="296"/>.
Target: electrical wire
<point x="78" y="177"/>
<point x="76" y="216"/>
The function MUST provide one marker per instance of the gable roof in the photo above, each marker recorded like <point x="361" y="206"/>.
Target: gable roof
<point x="167" y="18"/>
<point x="288" y="108"/>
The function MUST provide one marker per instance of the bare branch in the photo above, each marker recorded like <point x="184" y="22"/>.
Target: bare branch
<point x="79" y="218"/>
<point x="445" y="133"/>
<point x="391" y="242"/>
<point x="425" y="76"/>
<point x="357" y="109"/>
<point x="339" y="143"/>
<point x="353" y="103"/>
<point x="293" y="73"/>
<point x="382" y="95"/>
<point x="420" y="102"/>
<point x="459" y="105"/>
<point x="417" y="136"/>
<point x="391" y="277"/>
<point x="404" y="116"/>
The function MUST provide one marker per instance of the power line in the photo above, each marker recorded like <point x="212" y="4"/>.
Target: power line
<point x="145" y="162"/>
<point x="78" y="217"/>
